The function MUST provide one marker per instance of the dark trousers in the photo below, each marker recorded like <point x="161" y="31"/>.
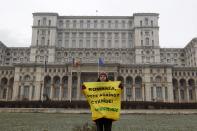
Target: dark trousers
<point x="103" y="124"/>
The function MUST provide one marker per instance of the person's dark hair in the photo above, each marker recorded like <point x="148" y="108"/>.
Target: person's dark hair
<point x="98" y="80"/>
<point x="102" y="73"/>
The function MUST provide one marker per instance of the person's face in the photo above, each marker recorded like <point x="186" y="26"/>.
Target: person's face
<point x="103" y="77"/>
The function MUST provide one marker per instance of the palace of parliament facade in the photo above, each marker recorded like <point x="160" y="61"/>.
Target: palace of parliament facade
<point x="128" y="45"/>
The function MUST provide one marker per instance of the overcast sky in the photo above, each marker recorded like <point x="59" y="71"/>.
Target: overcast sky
<point x="177" y="19"/>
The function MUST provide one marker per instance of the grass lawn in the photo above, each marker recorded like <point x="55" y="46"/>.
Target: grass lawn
<point x="66" y="122"/>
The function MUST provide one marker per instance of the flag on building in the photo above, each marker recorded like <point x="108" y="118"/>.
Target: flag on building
<point x="76" y="62"/>
<point x="100" y="61"/>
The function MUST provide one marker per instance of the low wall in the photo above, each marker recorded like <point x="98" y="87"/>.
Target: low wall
<point x="86" y="111"/>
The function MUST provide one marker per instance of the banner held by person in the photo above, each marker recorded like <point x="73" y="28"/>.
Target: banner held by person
<point x="104" y="99"/>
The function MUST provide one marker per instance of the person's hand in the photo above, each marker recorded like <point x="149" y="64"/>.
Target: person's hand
<point x="83" y="87"/>
<point x="121" y="86"/>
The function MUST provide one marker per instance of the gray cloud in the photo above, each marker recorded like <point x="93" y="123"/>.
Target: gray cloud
<point x="177" y="17"/>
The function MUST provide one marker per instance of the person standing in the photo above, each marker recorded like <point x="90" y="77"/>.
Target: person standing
<point x="103" y="124"/>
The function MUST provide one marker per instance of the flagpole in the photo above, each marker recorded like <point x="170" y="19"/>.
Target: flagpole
<point x="71" y="84"/>
<point x="42" y="88"/>
<point x="98" y="67"/>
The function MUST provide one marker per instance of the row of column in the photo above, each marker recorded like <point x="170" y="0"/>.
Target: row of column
<point x="186" y="95"/>
<point x="36" y="93"/>
<point x="6" y="93"/>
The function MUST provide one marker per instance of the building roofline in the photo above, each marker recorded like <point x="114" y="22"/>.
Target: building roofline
<point x="145" y="14"/>
<point x="2" y="44"/>
<point x="45" y="14"/>
<point x="95" y="17"/>
<point x="191" y="41"/>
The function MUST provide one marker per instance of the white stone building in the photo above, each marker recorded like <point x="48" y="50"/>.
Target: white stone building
<point x="129" y="46"/>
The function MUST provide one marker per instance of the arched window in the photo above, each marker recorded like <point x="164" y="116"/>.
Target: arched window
<point x="129" y="83"/>
<point x="146" y="21"/>
<point x="65" y="86"/>
<point x="49" y="22"/>
<point x="42" y="40"/>
<point x="147" y="41"/>
<point x="74" y="86"/>
<point x="47" y="87"/>
<point x="44" y="20"/>
<point x="56" y="81"/>
<point x="27" y="78"/>
<point x="138" y="87"/>
<point x="158" y="79"/>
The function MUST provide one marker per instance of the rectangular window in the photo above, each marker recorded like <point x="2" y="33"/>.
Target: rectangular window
<point x="59" y="43"/>
<point x="109" y="35"/>
<point x="80" y="43"/>
<point x="140" y="23"/>
<point x="88" y="24"/>
<point x="81" y="24"/>
<point x="74" y="35"/>
<point x="74" y="24"/>
<point x="102" y="35"/>
<point x="81" y="34"/>
<point x="116" y="35"/>
<point x="95" y="24"/>
<point x="123" y="24"/>
<point x="88" y="35"/>
<point x="66" y="35"/>
<point x="95" y="43"/>
<point x="123" y="35"/>
<point x="109" y="24"/>
<point x="102" y="43"/>
<point x="116" y="24"/>
<point x="138" y="93"/>
<point x="73" y="43"/>
<point x="109" y="44"/>
<point x="128" y="92"/>
<point x="102" y="24"/>
<point x="67" y="43"/>
<point x="88" y="44"/>
<point x="124" y="43"/>
<point x="116" y="44"/>
<point x="26" y="92"/>
<point x="67" y="24"/>
<point x="95" y="35"/>
<point x="159" y="92"/>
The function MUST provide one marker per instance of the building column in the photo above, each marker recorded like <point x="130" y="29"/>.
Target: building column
<point x="163" y="93"/>
<point x="60" y="90"/>
<point x="187" y="94"/>
<point x="51" y="90"/>
<point x="124" y="97"/>
<point x="133" y="92"/>
<point x="30" y="92"/>
<point x="22" y="92"/>
<point x="143" y="92"/>
<point x="115" y="76"/>
<point x="7" y="93"/>
<point x="61" y="86"/>
<point x="148" y="92"/>
<point x="42" y="92"/>
<point x="154" y="93"/>
<point x="170" y="92"/>
<point x="15" y="91"/>
<point x="195" y="94"/>
<point x="179" y="95"/>
<point x="38" y="87"/>
<point x="70" y="87"/>
<point x="78" y="85"/>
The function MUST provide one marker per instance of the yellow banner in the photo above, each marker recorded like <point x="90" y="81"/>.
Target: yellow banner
<point x="104" y="99"/>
